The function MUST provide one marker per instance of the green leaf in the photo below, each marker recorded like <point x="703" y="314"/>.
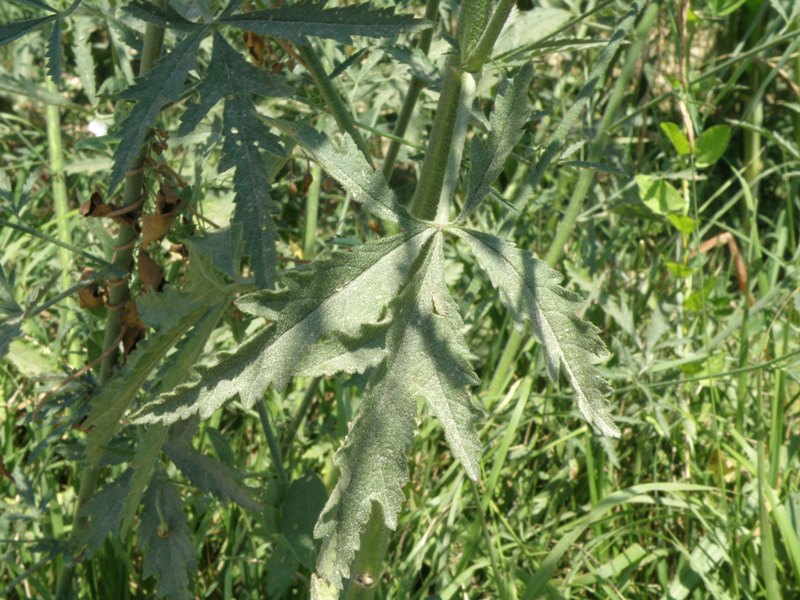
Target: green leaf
<point x="427" y="358"/>
<point x="324" y="323"/>
<point x="53" y="53"/>
<point x="161" y="85"/>
<point x="659" y="195"/>
<point x="296" y="21"/>
<point x="675" y="135"/>
<point x="165" y="17"/>
<point x="208" y="474"/>
<point x="301" y="507"/>
<point x="508" y="119"/>
<point x="11" y="313"/>
<point x="12" y="31"/>
<point x="114" y="399"/>
<point x="345" y="163"/>
<point x="165" y="541"/>
<point x="711" y="145"/>
<point x="527" y="28"/>
<point x="682" y="223"/>
<point x="84" y="61"/>
<point x="103" y="510"/>
<point x="229" y="76"/>
<point x="531" y="292"/>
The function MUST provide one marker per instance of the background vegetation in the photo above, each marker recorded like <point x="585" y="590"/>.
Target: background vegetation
<point x="687" y="182"/>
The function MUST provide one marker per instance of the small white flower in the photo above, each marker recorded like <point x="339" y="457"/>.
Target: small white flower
<point x="97" y="128"/>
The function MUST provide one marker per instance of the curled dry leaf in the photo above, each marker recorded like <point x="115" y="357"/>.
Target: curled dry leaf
<point x="257" y="46"/>
<point x="133" y="328"/>
<point x="307" y="179"/>
<point x="91" y="296"/>
<point x="156" y="226"/>
<point x="151" y="274"/>
<point x="95" y="207"/>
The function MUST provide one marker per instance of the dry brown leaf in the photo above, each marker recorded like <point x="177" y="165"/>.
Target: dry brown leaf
<point x="133" y="329"/>
<point x="150" y="272"/>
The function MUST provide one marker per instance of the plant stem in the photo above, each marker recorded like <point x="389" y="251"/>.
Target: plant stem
<point x="412" y="94"/>
<point x="483" y="49"/>
<point x="272" y="441"/>
<point x="333" y="100"/>
<point x="431" y="180"/>
<point x="366" y="568"/>
<point x="61" y="204"/>
<point x="312" y="212"/>
<point x="122" y="260"/>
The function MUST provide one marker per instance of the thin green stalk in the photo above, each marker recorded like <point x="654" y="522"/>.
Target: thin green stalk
<point x="366" y="568"/>
<point x="332" y="99"/>
<point x="272" y="441"/>
<point x="412" y="94"/>
<point x="49" y="238"/>
<point x="483" y="49"/>
<point x="61" y="204"/>
<point x="121" y="261"/>
<point x="312" y="212"/>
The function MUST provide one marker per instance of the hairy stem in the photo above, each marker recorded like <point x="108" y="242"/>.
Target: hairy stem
<point x="122" y="260"/>
<point x="366" y="569"/>
<point x="61" y="204"/>
<point x="412" y="94"/>
<point x="483" y="49"/>
<point x="431" y="180"/>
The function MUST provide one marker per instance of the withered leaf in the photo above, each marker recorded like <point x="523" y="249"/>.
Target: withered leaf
<point x="133" y="328"/>
<point x="150" y="272"/>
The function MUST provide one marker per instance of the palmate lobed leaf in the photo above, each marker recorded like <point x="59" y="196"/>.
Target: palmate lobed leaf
<point x="531" y="292"/>
<point x="294" y="22"/>
<point x="326" y="320"/>
<point x="230" y="77"/>
<point x="427" y="358"/>
<point x="163" y="84"/>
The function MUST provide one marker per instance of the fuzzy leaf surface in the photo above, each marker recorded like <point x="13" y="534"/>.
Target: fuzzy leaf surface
<point x="172" y="313"/>
<point x="294" y="22"/>
<point x="345" y="163"/>
<point x="326" y="316"/>
<point x="165" y="541"/>
<point x="427" y="358"/>
<point x="163" y="84"/>
<point x="531" y="292"/>
<point x="508" y="119"/>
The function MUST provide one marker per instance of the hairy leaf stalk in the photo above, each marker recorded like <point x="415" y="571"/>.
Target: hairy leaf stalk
<point x="119" y="293"/>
